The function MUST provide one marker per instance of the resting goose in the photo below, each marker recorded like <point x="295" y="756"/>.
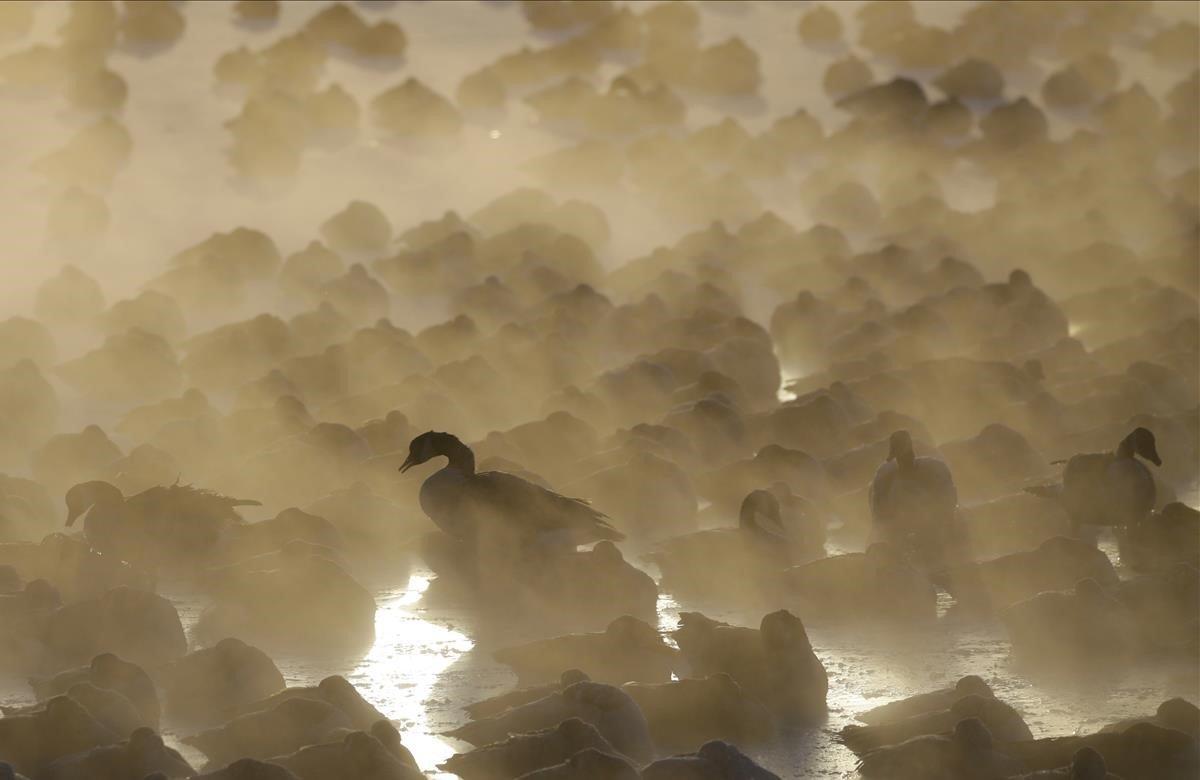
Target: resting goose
<point x="171" y="521"/>
<point x="457" y="498"/>
<point x="730" y="562"/>
<point x="913" y="500"/>
<point x="1109" y="488"/>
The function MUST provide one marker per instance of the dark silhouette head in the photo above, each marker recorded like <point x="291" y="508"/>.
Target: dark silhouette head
<point x="900" y="447"/>
<point x="1087" y="764"/>
<point x="1140" y="442"/>
<point x="429" y="445"/>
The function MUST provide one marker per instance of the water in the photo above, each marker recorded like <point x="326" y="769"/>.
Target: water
<point x="424" y="667"/>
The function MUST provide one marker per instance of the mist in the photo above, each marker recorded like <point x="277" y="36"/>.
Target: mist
<point x="599" y="389"/>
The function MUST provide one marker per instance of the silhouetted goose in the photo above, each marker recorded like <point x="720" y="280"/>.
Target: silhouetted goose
<point x="525" y="753"/>
<point x="495" y="705"/>
<point x="683" y="714"/>
<point x="1179" y="714"/>
<point x="1143" y="751"/>
<point x="913" y="500"/>
<point x="715" y="760"/>
<point x="1005" y="723"/>
<point x="922" y="703"/>
<point x="1109" y="488"/>
<point x="457" y="498"/>
<point x="111" y="709"/>
<point x="609" y="708"/>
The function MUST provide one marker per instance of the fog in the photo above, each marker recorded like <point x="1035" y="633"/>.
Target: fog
<point x="599" y="389"/>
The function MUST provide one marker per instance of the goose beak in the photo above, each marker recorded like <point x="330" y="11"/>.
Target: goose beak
<point x="73" y="515"/>
<point x="1152" y="456"/>
<point x="409" y="462"/>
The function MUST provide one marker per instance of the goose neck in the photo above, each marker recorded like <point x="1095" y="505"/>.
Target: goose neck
<point x="460" y="456"/>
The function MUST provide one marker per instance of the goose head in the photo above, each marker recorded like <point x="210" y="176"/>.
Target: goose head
<point x="972" y="685"/>
<point x="783" y="632"/>
<point x="429" y="445"/>
<point x="900" y="448"/>
<point x="760" y="514"/>
<point x="85" y="495"/>
<point x="1178" y="714"/>
<point x="1087" y="764"/>
<point x="1140" y="442"/>
<point x="972" y="737"/>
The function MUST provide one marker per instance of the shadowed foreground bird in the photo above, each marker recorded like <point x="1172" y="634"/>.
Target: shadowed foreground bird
<point x="460" y="500"/>
<point x="1108" y="488"/>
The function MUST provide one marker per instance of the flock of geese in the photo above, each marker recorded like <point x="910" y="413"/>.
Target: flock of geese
<point x="620" y="432"/>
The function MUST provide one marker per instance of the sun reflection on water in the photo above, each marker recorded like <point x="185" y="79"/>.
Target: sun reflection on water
<point x="402" y="669"/>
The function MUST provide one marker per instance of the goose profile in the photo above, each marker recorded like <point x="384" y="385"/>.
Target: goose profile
<point x="913" y="499"/>
<point x="457" y="498"/>
<point x="1108" y="488"/>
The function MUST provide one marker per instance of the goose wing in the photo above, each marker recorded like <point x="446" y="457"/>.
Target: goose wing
<point x="538" y="510"/>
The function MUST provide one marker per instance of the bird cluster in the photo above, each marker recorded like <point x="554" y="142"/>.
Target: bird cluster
<point x="864" y="408"/>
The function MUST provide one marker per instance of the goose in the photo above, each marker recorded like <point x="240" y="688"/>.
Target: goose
<point x="610" y="709"/>
<point x="913" y="500"/>
<point x="739" y="560"/>
<point x="1143" y="751"/>
<point x="1005" y="723"/>
<point x="1179" y="714"/>
<point x="1108" y="488"/>
<point x="774" y="663"/>
<point x="111" y="709"/>
<point x="528" y="509"/>
<point x="524" y="753"/>
<point x="105" y="671"/>
<point x="495" y="705"/>
<point x="356" y="754"/>
<point x="205" y="683"/>
<point x="334" y="690"/>
<point x="1086" y="764"/>
<point x="717" y="760"/>
<point x="967" y="753"/>
<point x="684" y="714"/>
<point x="287" y="727"/>
<point x="139" y="755"/>
<point x="930" y="701"/>
<point x="178" y="519"/>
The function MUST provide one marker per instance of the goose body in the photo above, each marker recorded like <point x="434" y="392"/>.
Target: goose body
<point x="913" y="499"/>
<point x="462" y="501"/>
<point x="1109" y="488"/>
